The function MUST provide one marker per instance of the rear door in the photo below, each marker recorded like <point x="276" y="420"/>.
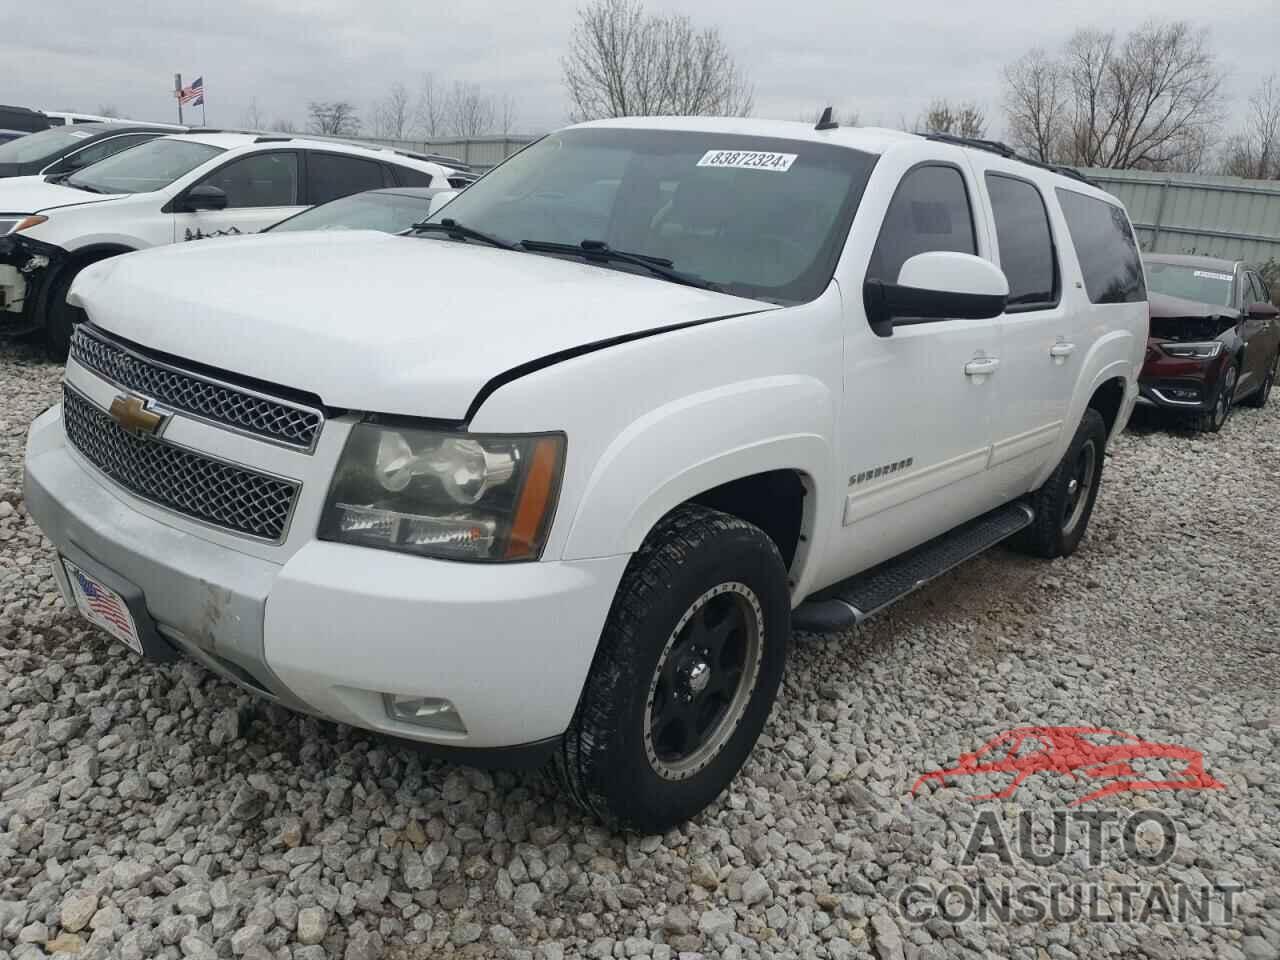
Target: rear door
<point x="1042" y="332"/>
<point x="334" y="175"/>
<point x="262" y="188"/>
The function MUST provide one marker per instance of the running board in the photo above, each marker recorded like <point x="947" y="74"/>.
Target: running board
<point x="849" y="602"/>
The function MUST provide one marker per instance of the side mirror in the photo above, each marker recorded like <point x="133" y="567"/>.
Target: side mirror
<point x="938" y="285"/>
<point x="438" y="200"/>
<point x="1263" y="310"/>
<point x="204" y="197"/>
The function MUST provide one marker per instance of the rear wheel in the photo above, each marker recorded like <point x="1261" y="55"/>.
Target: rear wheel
<point x="1216" y="417"/>
<point x="1064" y="504"/>
<point x="687" y="670"/>
<point x="1263" y="393"/>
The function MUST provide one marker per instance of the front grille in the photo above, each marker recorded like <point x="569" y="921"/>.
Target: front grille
<point x="237" y="407"/>
<point x="209" y="490"/>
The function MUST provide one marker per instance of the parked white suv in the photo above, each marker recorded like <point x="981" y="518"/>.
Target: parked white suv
<point x="555" y="476"/>
<point x="164" y="191"/>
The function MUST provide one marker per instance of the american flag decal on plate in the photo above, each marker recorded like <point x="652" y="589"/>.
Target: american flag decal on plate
<point x="103" y="606"/>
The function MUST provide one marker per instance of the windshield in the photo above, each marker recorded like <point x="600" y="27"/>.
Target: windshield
<point x="1190" y="283"/>
<point x="149" y="166"/>
<point x="388" y="212"/>
<point x="37" y="146"/>
<point x="756" y="216"/>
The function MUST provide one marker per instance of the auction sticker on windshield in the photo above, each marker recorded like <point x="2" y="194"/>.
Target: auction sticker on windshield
<point x="1208" y="275"/>
<point x="748" y="160"/>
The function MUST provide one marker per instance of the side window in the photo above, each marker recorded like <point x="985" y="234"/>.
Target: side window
<point x="103" y="149"/>
<point x="259" y="180"/>
<point x="929" y="211"/>
<point x="330" y="176"/>
<point x="1026" y="242"/>
<point x="1105" y="247"/>
<point x="409" y="177"/>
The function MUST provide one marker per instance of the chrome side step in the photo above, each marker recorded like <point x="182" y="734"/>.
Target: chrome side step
<point x="849" y="602"/>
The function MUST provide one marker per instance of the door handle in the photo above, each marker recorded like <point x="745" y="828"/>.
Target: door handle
<point x="981" y="366"/>
<point x="1061" y="350"/>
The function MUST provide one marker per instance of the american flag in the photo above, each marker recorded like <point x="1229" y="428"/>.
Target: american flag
<point x="103" y="603"/>
<point x="193" y="94"/>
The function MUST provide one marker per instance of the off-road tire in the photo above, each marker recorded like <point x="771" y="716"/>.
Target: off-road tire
<point x="60" y="317"/>
<point x="603" y="764"/>
<point x="1259" y="397"/>
<point x="1048" y="536"/>
<point x="1217" y="416"/>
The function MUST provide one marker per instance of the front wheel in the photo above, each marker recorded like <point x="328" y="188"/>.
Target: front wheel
<point x="1064" y="504"/>
<point x="686" y="673"/>
<point x="60" y="317"/>
<point x="1216" y="417"/>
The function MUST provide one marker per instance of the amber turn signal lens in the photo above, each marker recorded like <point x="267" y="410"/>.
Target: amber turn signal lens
<point x="537" y="499"/>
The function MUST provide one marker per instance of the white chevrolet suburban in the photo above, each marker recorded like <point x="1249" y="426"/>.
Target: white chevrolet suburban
<point x="553" y="476"/>
<point x="168" y="190"/>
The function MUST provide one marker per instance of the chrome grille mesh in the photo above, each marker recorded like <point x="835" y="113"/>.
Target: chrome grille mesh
<point x="209" y="490"/>
<point x="235" y="407"/>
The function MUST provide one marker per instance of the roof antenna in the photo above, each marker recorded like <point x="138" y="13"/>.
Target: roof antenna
<point x="825" y="122"/>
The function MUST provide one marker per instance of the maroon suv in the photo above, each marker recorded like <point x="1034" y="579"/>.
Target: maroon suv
<point x="1215" y="337"/>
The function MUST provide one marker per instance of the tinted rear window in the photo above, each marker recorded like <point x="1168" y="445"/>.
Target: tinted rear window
<point x="1105" y="247"/>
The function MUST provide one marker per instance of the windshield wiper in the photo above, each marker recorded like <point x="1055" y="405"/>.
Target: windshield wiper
<point x="78" y="186"/>
<point x="461" y="232"/>
<point x="599" y="250"/>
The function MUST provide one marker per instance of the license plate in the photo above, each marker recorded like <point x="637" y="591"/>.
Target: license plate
<point x="102" y="606"/>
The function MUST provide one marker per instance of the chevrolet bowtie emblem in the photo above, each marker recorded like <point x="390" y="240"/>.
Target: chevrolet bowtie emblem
<point x="131" y="413"/>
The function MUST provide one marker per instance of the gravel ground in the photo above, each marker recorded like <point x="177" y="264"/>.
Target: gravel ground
<point x="151" y="811"/>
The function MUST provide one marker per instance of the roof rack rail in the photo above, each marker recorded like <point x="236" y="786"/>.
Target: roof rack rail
<point x="272" y="138"/>
<point x="1006" y="151"/>
<point x="991" y="146"/>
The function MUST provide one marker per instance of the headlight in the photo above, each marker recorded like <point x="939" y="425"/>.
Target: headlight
<point x="455" y="496"/>
<point x="12" y="223"/>
<point x="1200" y="351"/>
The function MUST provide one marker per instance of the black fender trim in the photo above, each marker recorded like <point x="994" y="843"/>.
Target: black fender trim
<point x="551" y="359"/>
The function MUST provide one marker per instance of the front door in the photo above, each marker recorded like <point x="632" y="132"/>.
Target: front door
<point x="1259" y="334"/>
<point x="261" y="188"/>
<point x="918" y="405"/>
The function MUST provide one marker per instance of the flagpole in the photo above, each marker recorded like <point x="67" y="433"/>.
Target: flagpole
<point x="177" y="94"/>
<point x="203" y="120"/>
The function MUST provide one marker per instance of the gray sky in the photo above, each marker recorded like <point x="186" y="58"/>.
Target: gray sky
<point x="885" y="61"/>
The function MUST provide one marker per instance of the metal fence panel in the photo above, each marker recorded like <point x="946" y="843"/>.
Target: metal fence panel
<point x="1192" y="213"/>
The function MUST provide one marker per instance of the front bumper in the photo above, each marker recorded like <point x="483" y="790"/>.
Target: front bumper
<point x="1179" y="383"/>
<point x="333" y="627"/>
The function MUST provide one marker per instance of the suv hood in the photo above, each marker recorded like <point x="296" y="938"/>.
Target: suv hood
<point x="33" y="195"/>
<point x="375" y="322"/>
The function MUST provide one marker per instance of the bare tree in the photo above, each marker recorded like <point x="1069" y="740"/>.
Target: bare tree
<point x="108" y="110"/>
<point x="392" y="115"/>
<point x="336" y="118"/>
<point x="506" y="114"/>
<point x="1254" y="151"/>
<point x="429" y="113"/>
<point x="623" y="61"/>
<point x="1035" y="104"/>
<point x="960" y="119"/>
<point x="1149" y="101"/>
<point x="252" y="117"/>
<point x="469" y="111"/>
<point x="283" y="125"/>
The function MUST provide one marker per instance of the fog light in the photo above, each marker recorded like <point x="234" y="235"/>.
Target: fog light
<point x="433" y="712"/>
